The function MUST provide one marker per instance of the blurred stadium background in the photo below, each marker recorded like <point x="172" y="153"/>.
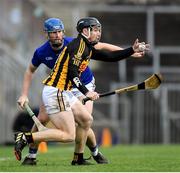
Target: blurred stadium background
<point x="132" y="118"/>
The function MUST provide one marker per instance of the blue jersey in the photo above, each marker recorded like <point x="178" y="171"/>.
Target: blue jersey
<point x="46" y="55"/>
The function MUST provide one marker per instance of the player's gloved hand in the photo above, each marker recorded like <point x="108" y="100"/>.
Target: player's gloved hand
<point x="92" y="95"/>
<point x="139" y="47"/>
<point x="22" y="99"/>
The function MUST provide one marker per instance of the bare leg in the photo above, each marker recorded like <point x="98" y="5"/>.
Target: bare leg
<point x="30" y="159"/>
<point x="91" y="138"/>
<point x="64" y="121"/>
<point x="84" y="120"/>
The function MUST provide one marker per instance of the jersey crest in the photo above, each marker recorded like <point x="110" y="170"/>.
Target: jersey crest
<point x="83" y="65"/>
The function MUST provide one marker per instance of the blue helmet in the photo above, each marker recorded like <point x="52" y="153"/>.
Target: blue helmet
<point x="53" y="24"/>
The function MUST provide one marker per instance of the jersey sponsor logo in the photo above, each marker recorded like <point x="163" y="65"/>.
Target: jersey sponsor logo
<point x="49" y="58"/>
<point x="77" y="81"/>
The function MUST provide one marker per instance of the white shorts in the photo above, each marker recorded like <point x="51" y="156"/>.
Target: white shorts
<point x="90" y="86"/>
<point x="57" y="101"/>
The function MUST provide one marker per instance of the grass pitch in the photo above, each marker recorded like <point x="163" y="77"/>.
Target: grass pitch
<point x="123" y="158"/>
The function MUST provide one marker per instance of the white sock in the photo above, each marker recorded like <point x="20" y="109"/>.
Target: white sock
<point x="30" y="155"/>
<point x="94" y="153"/>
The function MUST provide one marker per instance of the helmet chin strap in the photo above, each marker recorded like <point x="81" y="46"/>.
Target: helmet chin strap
<point x="89" y="34"/>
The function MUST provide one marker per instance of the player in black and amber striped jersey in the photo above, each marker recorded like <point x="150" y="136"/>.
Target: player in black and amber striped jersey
<point x="75" y="58"/>
<point x="61" y="105"/>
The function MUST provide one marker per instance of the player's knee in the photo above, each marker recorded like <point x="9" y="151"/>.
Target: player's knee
<point x="87" y="122"/>
<point x="90" y="121"/>
<point x="43" y="118"/>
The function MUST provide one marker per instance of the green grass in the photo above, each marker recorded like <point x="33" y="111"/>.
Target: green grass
<point x="123" y="158"/>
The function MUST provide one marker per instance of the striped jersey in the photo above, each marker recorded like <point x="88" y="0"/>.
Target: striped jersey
<point x="74" y="59"/>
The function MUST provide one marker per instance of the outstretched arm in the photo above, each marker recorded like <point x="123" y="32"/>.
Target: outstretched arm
<point x="107" y="46"/>
<point x="111" y="47"/>
<point x="112" y="56"/>
<point x="120" y="53"/>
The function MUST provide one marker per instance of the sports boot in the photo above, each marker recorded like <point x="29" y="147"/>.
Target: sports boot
<point x="79" y="160"/>
<point x="29" y="161"/>
<point x="100" y="159"/>
<point x="20" y="143"/>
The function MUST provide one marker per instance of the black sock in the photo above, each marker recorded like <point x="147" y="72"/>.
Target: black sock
<point x="29" y="137"/>
<point x="78" y="156"/>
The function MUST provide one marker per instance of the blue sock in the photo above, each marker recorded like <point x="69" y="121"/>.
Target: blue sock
<point x="32" y="152"/>
<point x="94" y="150"/>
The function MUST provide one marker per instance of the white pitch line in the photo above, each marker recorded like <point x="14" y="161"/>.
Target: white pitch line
<point x="5" y="158"/>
